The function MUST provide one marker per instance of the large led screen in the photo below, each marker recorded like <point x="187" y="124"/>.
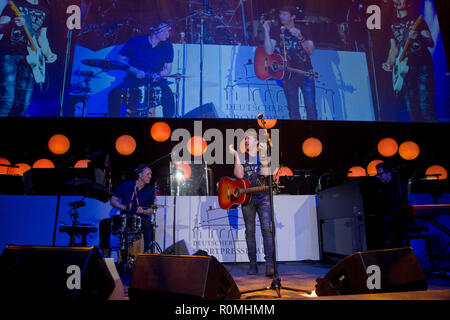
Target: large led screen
<point x="352" y="60"/>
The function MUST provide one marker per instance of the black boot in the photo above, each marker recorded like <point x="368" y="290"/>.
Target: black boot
<point x="253" y="268"/>
<point x="269" y="269"/>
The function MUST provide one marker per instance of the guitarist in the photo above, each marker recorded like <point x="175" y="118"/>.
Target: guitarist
<point x="296" y="42"/>
<point x="256" y="169"/>
<point x="418" y="87"/>
<point x="16" y="77"/>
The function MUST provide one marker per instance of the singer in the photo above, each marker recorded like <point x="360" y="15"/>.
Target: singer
<point x="294" y="43"/>
<point x="256" y="170"/>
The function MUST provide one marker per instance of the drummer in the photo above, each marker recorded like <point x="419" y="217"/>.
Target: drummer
<point x="135" y="197"/>
<point x="150" y="57"/>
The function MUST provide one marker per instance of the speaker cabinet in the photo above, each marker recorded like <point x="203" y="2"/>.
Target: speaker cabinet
<point x="45" y="273"/>
<point x="170" y="277"/>
<point x="395" y="270"/>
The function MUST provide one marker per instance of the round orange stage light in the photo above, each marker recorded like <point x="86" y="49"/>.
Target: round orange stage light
<point x="270" y="123"/>
<point x="125" y="145"/>
<point x="387" y="147"/>
<point x="436" y="170"/>
<point x="5" y="170"/>
<point x="312" y="147"/>
<point x="281" y="172"/>
<point x="160" y="131"/>
<point x="22" y="168"/>
<point x="197" y="146"/>
<point x="372" y="167"/>
<point x="59" y="144"/>
<point x="356" y="172"/>
<point x="83" y="163"/>
<point x="409" y="150"/>
<point x="186" y="168"/>
<point x="43" y="164"/>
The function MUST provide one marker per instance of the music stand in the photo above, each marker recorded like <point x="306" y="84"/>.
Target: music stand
<point x="276" y="280"/>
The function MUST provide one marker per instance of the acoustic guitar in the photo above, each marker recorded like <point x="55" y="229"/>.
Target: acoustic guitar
<point x="35" y="58"/>
<point x="273" y="66"/>
<point x="234" y="192"/>
<point x="400" y="67"/>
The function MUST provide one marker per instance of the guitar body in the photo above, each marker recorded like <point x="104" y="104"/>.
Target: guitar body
<point x="36" y="61"/>
<point x="399" y="71"/>
<point x="273" y="66"/>
<point x="228" y="199"/>
<point x="268" y="66"/>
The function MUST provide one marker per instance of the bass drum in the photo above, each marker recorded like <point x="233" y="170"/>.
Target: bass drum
<point x="120" y="222"/>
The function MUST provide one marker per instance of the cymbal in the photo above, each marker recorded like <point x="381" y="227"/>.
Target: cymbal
<point x="105" y="64"/>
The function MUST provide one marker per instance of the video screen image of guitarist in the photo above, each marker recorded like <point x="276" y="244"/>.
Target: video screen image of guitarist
<point x="411" y="63"/>
<point x="24" y="51"/>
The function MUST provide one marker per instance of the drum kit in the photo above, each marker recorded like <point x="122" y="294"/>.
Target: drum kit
<point x="140" y="101"/>
<point x="129" y="229"/>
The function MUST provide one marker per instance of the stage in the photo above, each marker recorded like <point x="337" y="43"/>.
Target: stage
<point x="302" y="275"/>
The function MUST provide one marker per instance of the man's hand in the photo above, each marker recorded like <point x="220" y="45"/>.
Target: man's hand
<point x="140" y="210"/>
<point x="51" y="57"/>
<point x="140" y="74"/>
<point x="266" y="26"/>
<point x="232" y="150"/>
<point x="296" y="33"/>
<point x="413" y="34"/>
<point x="19" y="21"/>
<point x="387" y="66"/>
<point x="263" y="148"/>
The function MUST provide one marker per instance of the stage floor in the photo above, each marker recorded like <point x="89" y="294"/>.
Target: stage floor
<point x="302" y="275"/>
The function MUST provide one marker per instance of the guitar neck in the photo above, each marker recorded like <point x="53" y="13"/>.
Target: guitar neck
<point x="408" y="42"/>
<point x="27" y="31"/>
<point x="295" y="70"/>
<point x="254" y="189"/>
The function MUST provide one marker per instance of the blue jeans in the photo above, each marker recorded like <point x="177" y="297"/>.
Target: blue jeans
<point x="419" y="94"/>
<point x="308" y="87"/>
<point x="16" y="85"/>
<point x="260" y="205"/>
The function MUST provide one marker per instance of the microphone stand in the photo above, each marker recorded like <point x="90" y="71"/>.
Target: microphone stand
<point x="276" y="280"/>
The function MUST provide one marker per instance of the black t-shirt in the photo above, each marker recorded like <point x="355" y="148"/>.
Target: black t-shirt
<point x="417" y="52"/>
<point x="297" y="56"/>
<point x="142" y="56"/>
<point x="252" y="173"/>
<point x="14" y="40"/>
<point x="145" y="196"/>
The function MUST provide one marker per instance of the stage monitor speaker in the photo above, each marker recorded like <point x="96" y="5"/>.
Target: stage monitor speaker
<point x="170" y="277"/>
<point x="208" y="110"/>
<point x="53" y="273"/>
<point x="177" y="248"/>
<point x="391" y="270"/>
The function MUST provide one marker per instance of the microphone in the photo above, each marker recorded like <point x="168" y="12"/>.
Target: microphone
<point x="182" y="35"/>
<point x="260" y="116"/>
